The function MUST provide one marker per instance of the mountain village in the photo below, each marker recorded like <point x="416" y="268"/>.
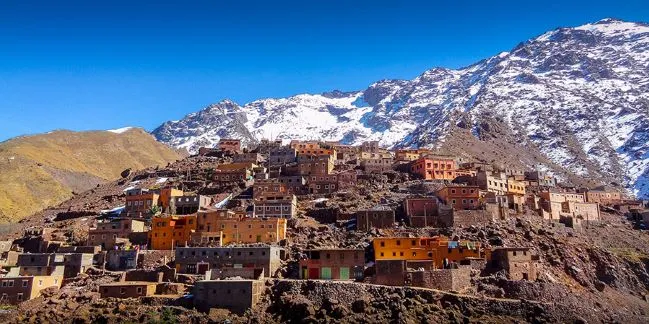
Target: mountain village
<point x="210" y="232"/>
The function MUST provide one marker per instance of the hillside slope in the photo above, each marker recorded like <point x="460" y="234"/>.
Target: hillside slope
<point x="43" y="170"/>
<point x="573" y="100"/>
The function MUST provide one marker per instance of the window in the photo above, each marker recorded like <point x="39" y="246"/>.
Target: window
<point x="139" y="290"/>
<point x="4" y="283"/>
<point x="382" y="244"/>
<point x="398" y="242"/>
<point x="40" y="283"/>
<point x="413" y="242"/>
<point x="11" y="283"/>
<point x="122" y="290"/>
<point x="19" y="297"/>
<point x="452" y="191"/>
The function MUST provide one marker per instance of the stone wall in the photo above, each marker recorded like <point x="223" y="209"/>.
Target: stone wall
<point x="442" y="279"/>
<point x="464" y="218"/>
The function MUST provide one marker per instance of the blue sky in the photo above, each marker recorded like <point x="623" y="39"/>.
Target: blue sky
<point x="85" y="65"/>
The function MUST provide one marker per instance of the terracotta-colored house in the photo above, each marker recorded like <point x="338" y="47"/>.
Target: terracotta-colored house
<point x="313" y="164"/>
<point x="230" y="145"/>
<point x="127" y="289"/>
<point x="434" y="168"/>
<point x="107" y="234"/>
<point x="460" y="197"/>
<point x="236" y="229"/>
<point x="140" y="201"/>
<point x="168" y="232"/>
<point x="421" y="211"/>
<point x="519" y="263"/>
<point x="335" y="264"/>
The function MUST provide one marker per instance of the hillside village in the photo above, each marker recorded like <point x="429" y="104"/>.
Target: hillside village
<point x="328" y="231"/>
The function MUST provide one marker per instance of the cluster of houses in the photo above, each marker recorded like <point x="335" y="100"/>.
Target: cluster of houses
<point x="233" y="249"/>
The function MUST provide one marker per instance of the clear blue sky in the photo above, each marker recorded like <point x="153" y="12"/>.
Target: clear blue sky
<point x="106" y="64"/>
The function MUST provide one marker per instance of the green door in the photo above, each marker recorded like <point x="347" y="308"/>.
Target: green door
<point x="344" y="273"/>
<point x="325" y="273"/>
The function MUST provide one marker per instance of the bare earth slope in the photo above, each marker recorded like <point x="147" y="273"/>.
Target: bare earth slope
<point x="44" y="170"/>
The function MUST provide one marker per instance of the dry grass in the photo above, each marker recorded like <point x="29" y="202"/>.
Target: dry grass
<point x="42" y="170"/>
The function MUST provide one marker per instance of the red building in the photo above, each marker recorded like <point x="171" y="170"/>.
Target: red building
<point x="434" y="168"/>
<point x="421" y="211"/>
<point x="460" y="197"/>
<point x="333" y="264"/>
<point x="230" y="145"/>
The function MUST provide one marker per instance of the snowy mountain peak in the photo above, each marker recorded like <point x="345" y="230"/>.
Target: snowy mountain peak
<point x="575" y="100"/>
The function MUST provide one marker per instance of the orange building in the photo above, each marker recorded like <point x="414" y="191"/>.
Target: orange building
<point x="460" y="197"/>
<point x="166" y="196"/>
<point x="427" y="248"/>
<point x="434" y="168"/>
<point x="171" y="231"/>
<point x="140" y="201"/>
<point x="235" y="228"/>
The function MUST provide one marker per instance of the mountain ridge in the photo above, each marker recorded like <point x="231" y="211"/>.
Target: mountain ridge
<point x="576" y="95"/>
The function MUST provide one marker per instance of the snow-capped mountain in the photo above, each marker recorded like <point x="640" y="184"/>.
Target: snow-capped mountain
<point x="577" y="96"/>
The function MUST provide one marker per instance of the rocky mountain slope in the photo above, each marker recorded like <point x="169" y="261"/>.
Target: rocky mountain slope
<point x="43" y="170"/>
<point x="574" y="100"/>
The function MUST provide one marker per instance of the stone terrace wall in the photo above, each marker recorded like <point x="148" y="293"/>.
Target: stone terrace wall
<point x="464" y="218"/>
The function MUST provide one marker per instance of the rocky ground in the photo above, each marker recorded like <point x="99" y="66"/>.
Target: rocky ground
<point x="598" y="274"/>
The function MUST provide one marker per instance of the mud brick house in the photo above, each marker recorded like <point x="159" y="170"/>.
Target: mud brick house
<point x="45" y="264"/>
<point x="376" y="217"/>
<point x="407" y="155"/>
<point x="237" y="229"/>
<point x="305" y="145"/>
<point x="495" y="182"/>
<point x="421" y="273"/>
<point x="322" y="184"/>
<point x="460" y="197"/>
<point x="553" y="203"/>
<point x="168" y="232"/>
<point x="589" y="212"/>
<point x="282" y="155"/>
<point x="422" y="211"/>
<point x="16" y="289"/>
<point x="433" y="249"/>
<point x="346" y="179"/>
<point x="336" y="264"/>
<point x="198" y="260"/>
<point x="191" y="204"/>
<point x="140" y="201"/>
<point x="518" y="174"/>
<point x="519" y="263"/>
<point x="269" y="186"/>
<point x="315" y="164"/>
<point x="207" y="150"/>
<point x="345" y="153"/>
<point x="370" y="146"/>
<point x="127" y="289"/>
<point x="434" y="168"/>
<point x="107" y="234"/>
<point x="234" y="295"/>
<point x="602" y="196"/>
<point x="542" y="178"/>
<point x="273" y="205"/>
<point x="167" y="196"/>
<point x="229" y="145"/>
<point x="295" y="184"/>
<point x="233" y="172"/>
<point x="377" y="165"/>
<point x="120" y="260"/>
<point x="255" y="158"/>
